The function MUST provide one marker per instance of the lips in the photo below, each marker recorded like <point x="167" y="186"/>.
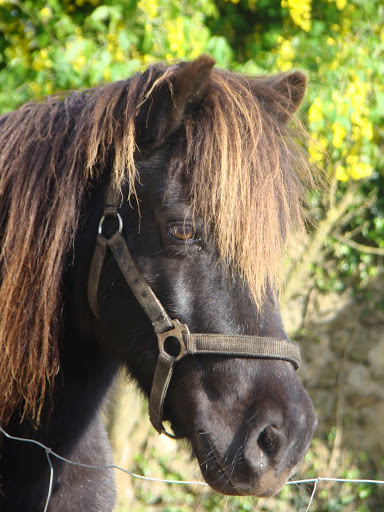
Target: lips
<point x="214" y="473"/>
<point x="231" y="477"/>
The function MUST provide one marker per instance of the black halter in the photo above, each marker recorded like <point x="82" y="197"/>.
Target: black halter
<point x="167" y="329"/>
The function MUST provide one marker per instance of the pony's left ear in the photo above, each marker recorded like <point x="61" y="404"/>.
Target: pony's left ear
<point x="175" y="92"/>
<point x="290" y="90"/>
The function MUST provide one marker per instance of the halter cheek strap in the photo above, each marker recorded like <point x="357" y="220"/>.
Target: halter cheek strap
<point x="171" y="331"/>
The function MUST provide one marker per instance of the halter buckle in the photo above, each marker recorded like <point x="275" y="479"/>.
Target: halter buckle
<point x="172" y="335"/>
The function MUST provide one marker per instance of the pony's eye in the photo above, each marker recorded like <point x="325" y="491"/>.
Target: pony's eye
<point x="183" y="232"/>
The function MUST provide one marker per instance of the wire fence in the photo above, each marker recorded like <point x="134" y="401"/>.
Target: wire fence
<point x="50" y="453"/>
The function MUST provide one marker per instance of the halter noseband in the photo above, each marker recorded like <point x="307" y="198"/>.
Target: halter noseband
<point x="167" y="329"/>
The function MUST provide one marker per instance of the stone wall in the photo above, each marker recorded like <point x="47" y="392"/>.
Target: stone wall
<point x="342" y="345"/>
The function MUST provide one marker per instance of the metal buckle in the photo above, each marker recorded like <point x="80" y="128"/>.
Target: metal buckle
<point x="177" y="332"/>
<point x="108" y="215"/>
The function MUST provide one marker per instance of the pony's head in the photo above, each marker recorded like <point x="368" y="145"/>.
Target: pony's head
<point x="212" y="185"/>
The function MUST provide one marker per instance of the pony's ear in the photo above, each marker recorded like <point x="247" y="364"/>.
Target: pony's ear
<point x="289" y="91"/>
<point x="174" y="92"/>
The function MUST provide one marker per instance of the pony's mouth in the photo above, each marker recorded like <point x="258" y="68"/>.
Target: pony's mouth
<point x="230" y="477"/>
<point x="214" y="472"/>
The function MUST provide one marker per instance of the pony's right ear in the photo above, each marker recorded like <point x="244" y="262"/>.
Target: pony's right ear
<point x="289" y="89"/>
<point x="281" y="95"/>
<point x="173" y="93"/>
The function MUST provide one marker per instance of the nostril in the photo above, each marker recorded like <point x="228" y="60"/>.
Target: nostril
<point x="263" y="448"/>
<point x="270" y="441"/>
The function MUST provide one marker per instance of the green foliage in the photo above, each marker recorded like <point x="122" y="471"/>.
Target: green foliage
<point x="334" y="497"/>
<point x="48" y="46"/>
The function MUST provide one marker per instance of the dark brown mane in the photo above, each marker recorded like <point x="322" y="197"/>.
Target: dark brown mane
<point x="246" y="180"/>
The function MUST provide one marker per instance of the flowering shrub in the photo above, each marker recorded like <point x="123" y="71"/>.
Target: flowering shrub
<point x="48" y="46"/>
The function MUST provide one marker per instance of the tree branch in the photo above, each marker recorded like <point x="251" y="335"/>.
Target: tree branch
<point x="366" y="249"/>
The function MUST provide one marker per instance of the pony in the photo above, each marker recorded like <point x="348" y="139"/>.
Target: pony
<point x="208" y="181"/>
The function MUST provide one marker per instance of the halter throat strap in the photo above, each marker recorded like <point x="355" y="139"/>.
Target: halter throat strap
<point x="171" y="332"/>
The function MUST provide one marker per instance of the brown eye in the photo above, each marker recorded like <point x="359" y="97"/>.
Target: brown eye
<point x="182" y="232"/>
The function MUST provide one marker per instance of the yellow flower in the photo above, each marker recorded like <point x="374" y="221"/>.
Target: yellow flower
<point x="357" y="92"/>
<point x="367" y="130"/>
<point x="286" y="54"/>
<point x="315" y="112"/>
<point x="339" y="134"/>
<point x="149" y="7"/>
<point x="352" y="160"/>
<point x="41" y="60"/>
<point x="356" y="119"/>
<point x="300" y="12"/>
<point x="341" y="173"/>
<point x="78" y="63"/>
<point x="119" y="55"/>
<point x="355" y="169"/>
<point x="361" y="170"/>
<point x="341" y="4"/>
<point x="176" y="36"/>
<point x="45" y="13"/>
<point x="287" y="51"/>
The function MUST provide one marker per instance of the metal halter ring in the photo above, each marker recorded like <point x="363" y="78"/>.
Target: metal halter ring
<point x="106" y="216"/>
<point x="177" y="333"/>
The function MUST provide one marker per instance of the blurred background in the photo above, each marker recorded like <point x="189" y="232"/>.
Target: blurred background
<point x="333" y="303"/>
